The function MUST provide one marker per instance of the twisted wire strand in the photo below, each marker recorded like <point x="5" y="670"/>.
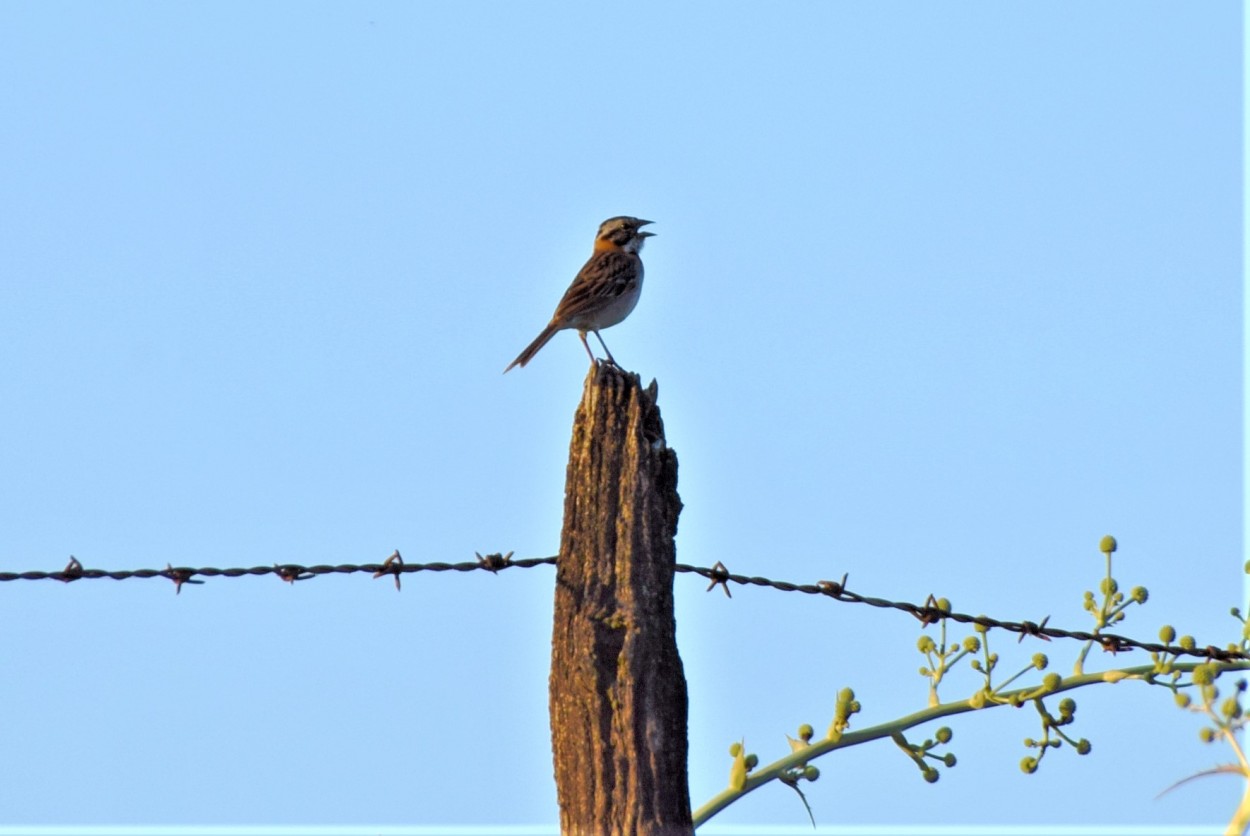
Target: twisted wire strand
<point x="394" y="566"/>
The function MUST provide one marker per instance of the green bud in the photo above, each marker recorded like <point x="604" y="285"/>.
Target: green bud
<point x="1083" y="747"/>
<point x="1230" y="708"/>
<point x="944" y="604"/>
<point x="1107" y="544"/>
<point x="1067" y="706"/>
<point x="1139" y="594"/>
<point x="752" y="761"/>
<point x="737" y="774"/>
<point x="1206" y="734"/>
<point x="1188" y="642"/>
<point x="972" y="644"/>
<point x="1052" y="681"/>
<point x="926" y="644"/>
<point x="977" y="700"/>
<point x="1040" y="661"/>
<point x="842" y="711"/>
<point x="931" y="775"/>
<point x="1182" y="700"/>
<point x="980" y="628"/>
<point x="1028" y="765"/>
<point x="1030" y="743"/>
<point x="811" y="773"/>
<point x="805" y="732"/>
<point x="949" y="760"/>
<point x="944" y="734"/>
<point x="1167" y="634"/>
<point x="735" y="749"/>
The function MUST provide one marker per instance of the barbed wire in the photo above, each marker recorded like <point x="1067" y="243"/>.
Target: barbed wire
<point x="290" y="572"/>
<point x="394" y="566"/>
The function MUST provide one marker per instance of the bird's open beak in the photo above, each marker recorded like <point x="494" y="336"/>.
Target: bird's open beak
<point x="645" y="234"/>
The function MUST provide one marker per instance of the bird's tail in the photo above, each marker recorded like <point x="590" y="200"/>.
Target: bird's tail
<point x="532" y="349"/>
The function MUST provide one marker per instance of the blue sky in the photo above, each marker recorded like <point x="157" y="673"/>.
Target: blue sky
<point x="939" y="296"/>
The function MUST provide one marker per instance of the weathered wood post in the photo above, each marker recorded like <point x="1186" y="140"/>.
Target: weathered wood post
<point x="618" y="692"/>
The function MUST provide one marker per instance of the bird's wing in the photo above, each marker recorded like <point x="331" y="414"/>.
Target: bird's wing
<point x="606" y="276"/>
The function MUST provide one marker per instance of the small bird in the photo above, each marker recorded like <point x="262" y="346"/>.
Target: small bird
<point x="604" y="291"/>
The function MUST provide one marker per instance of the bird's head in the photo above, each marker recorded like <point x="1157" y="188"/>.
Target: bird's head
<point x="622" y="233"/>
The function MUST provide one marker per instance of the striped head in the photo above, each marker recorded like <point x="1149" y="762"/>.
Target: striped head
<point x="622" y="233"/>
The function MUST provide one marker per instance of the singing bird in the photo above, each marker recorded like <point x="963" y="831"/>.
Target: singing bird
<point x="604" y="291"/>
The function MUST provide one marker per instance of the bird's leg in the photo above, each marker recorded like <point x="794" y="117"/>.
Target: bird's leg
<point x="611" y="359"/>
<point x="582" y="334"/>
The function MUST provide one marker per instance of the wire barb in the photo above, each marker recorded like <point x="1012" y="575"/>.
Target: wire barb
<point x="1028" y="628"/>
<point x="833" y="589"/>
<point x="72" y="571"/>
<point x="393" y="565"/>
<point x="930" y="613"/>
<point x="179" y="576"/>
<point x="494" y="562"/>
<point x="720" y="577"/>
<point x="291" y="573"/>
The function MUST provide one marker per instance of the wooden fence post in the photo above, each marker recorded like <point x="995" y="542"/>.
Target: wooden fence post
<point x="618" y="692"/>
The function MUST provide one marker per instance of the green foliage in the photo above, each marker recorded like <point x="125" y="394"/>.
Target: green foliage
<point x="842" y="711"/>
<point x="1192" y="684"/>
<point x="738" y="770"/>
<point x="922" y="753"/>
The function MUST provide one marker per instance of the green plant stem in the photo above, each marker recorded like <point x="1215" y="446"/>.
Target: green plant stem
<point x="1240" y="821"/>
<point x="1100" y="617"/>
<point x="1241" y="818"/>
<point x="774" y="770"/>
